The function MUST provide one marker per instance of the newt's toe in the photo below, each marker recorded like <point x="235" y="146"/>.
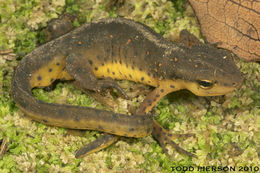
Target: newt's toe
<point x="163" y="136"/>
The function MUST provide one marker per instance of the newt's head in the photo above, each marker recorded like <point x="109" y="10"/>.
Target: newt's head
<point x="204" y="70"/>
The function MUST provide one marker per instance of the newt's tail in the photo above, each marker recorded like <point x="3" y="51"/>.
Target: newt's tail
<point x="74" y="117"/>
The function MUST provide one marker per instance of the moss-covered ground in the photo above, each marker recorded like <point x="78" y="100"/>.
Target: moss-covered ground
<point x="227" y="128"/>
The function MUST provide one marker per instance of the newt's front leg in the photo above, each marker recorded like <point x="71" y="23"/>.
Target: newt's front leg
<point x="162" y="135"/>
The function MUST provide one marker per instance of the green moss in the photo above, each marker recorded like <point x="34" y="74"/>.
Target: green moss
<point x="42" y="169"/>
<point x="218" y="126"/>
<point x="211" y="119"/>
<point x="234" y="103"/>
<point x="109" y="159"/>
<point x="181" y="109"/>
<point x="16" y="21"/>
<point x="72" y="7"/>
<point x="7" y="164"/>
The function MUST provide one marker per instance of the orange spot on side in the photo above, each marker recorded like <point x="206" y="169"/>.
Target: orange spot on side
<point x="111" y="36"/>
<point x="159" y="64"/>
<point x="175" y="59"/>
<point x="79" y="42"/>
<point x="147" y="53"/>
<point x="196" y="66"/>
<point x="128" y="41"/>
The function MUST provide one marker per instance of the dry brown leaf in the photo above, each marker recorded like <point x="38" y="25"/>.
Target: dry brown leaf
<point x="231" y="24"/>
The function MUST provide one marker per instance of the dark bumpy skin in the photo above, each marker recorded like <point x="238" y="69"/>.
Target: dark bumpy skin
<point x="118" y="48"/>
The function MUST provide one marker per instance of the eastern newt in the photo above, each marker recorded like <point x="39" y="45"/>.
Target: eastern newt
<point x="117" y="48"/>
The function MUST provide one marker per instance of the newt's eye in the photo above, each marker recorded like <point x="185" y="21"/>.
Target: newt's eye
<point x="205" y="84"/>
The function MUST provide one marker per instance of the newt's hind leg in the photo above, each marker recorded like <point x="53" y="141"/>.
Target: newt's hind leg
<point x="162" y="135"/>
<point x="79" y="68"/>
<point x="97" y="145"/>
<point x="106" y="139"/>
